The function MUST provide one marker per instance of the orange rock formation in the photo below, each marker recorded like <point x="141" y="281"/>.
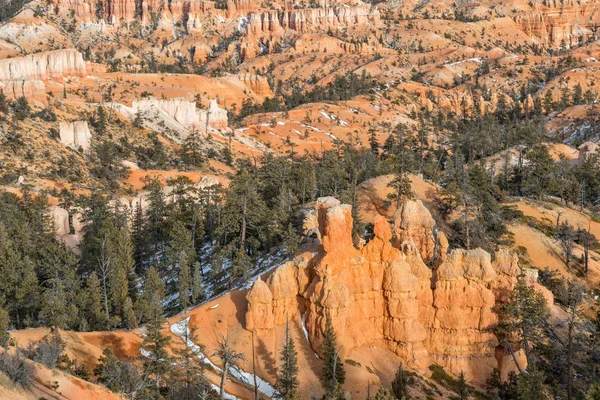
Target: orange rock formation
<point x="387" y="295"/>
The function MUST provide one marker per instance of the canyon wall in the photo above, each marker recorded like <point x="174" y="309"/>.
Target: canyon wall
<point x="26" y="76"/>
<point x="186" y="113"/>
<point x="274" y="21"/>
<point x="385" y="294"/>
<point x="554" y="23"/>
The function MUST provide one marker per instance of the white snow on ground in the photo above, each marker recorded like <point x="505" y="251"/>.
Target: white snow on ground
<point x="280" y="123"/>
<point x="180" y="328"/>
<point x="478" y="60"/>
<point x="306" y="331"/>
<point x="225" y="395"/>
<point x="342" y="122"/>
<point x="323" y="113"/>
<point x="145" y="353"/>
<point x="319" y="130"/>
<point x="215" y="306"/>
<point x="297" y="131"/>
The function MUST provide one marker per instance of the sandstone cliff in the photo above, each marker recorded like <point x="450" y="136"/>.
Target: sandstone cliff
<point x="185" y="112"/>
<point x="75" y="134"/>
<point x="385" y="294"/>
<point x="273" y="21"/>
<point x="556" y="23"/>
<point x="26" y="76"/>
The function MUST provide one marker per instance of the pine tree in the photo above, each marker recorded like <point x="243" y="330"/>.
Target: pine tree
<point x="530" y="385"/>
<point x="4" y="326"/>
<point x="180" y="253"/>
<point x="129" y="318"/>
<point x="524" y="315"/>
<point x="191" y="151"/>
<point x="100" y="121"/>
<point x="401" y="185"/>
<point x="197" y="288"/>
<point x="400" y="384"/>
<point x="138" y="234"/>
<point x="191" y="379"/>
<point x="123" y="270"/>
<point x="156" y="363"/>
<point x="462" y="388"/>
<point x="332" y="365"/>
<point x="288" y="375"/>
<point x="93" y="304"/>
<point x="373" y="143"/>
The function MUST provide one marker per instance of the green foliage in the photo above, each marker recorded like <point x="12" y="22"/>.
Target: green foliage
<point x="523" y="315"/>
<point x="4" y="326"/>
<point x="400" y="384"/>
<point x="118" y="376"/>
<point x="287" y="379"/>
<point x="530" y="385"/>
<point x="21" y="109"/>
<point x="332" y="366"/>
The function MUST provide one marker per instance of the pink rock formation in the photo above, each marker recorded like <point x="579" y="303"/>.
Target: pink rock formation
<point x="413" y="223"/>
<point x="273" y="21"/>
<point x="257" y="83"/>
<point x="260" y="307"/>
<point x="75" y="134"/>
<point x="558" y="23"/>
<point x="26" y="75"/>
<point x="185" y="112"/>
<point x="384" y="294"/>
<point x="83" y="10"/>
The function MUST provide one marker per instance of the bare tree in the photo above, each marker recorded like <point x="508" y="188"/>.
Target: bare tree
<point x="229" y="357"/>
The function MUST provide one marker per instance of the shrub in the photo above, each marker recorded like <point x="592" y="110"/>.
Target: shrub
<point x="15" y="366"/>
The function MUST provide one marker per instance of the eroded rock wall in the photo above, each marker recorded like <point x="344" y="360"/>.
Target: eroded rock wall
<point x="385" y="293"/>
<point x="26" y="76"/>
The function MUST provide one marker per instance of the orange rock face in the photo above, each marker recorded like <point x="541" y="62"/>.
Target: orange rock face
<point x="561" y="22"/>
<point x="384" y="294"/>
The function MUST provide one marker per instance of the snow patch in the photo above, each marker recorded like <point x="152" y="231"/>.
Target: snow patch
<point x="182" y="330"/>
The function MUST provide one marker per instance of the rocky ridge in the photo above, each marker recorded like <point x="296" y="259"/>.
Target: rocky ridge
<point x="27" y="76"/>
<point x="426" y="305"/>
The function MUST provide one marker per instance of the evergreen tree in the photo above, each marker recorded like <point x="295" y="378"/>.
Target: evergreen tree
<point x="129" y="318"/>
<point x="21" y="108"/>
<point x="373" y="142"/>
<point x="190" y="380"/>
<point x="539" y="172"/>
<point x="122" y="278"/>
<point x="287" y="384"/>
<point x="244" y="211"/>
<point x="197" y="288"/>
<point x="530" y="385"/>
<point x="157" y="362"/>
<point x="93" y="304"/>
<point x="4" y="326"/>
<point x="402" y="190"/>
<point x="400" y="384"/>
<point x="462" y="387"/>
<point x="191" y="151"/>
<point x="180" y="253"/>
<point x="332" y="365"/>
<point x="524" y="315"/>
